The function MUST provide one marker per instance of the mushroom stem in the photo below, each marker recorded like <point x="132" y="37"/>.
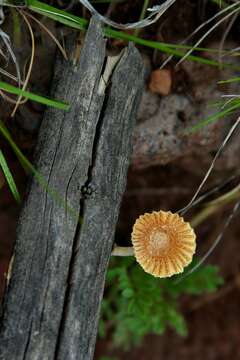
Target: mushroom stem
<point x="122" y="251"/>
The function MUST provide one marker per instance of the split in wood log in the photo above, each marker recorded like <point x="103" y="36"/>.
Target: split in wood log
<point x="51" y="306"/>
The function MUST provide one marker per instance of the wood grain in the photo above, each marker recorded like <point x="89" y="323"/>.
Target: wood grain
<point x="51" y="306"/>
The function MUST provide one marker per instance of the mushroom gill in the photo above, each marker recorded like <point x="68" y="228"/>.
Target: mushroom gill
<point x="163" y="243"/>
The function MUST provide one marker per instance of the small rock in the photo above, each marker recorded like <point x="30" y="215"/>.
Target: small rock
<point x="161" y="82"/>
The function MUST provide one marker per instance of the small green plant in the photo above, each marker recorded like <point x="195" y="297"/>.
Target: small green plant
<point x="136" y="304"/>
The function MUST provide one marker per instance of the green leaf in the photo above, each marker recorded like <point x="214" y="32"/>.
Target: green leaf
<point x="205" y="279"/>
<point x="31" y="96"/>
<point x="177" y="322"/>
<point x="128" y="293"/>
<point x="9" y="177"/>
<point x="137" y="304"/>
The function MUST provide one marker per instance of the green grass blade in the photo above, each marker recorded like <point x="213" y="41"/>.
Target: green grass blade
<point x="81" y="24"/>
<point x="220" y="3"/>
<point x="17" y="34"/>
<point x="57" y="15"/>
<point x="31" y="96"/>
<point x="22" y="158"/>
<point x="171" y="50"/>
<point x="9" y="178"/>
<point x="24" y="161"/>
<point x="217" y="116"/>
<point x="39" y="178"/>
<point x="145" y="6"/>
<point x="235" y="79"/>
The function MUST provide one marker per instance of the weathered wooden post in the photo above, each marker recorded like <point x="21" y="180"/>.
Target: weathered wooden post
<point x="52" y="303"/>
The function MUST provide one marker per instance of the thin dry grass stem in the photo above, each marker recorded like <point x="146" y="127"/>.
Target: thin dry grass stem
<point x="10" y="76"/>
<point x="229" y="196"/>
<point x="224" y="37"/>
<point x="216" y="205"/>
<point x="220" y="149"/>
<point x="206" y="35"/>
<point x="123" y="251"/>
<point x="6" y="40"/>
<point x="216" y="242"/>
<point x="230" y="95"/>
<point x="31" y="60"/>
<point x="110" y="9"/>
<point x="234" y="52"/>
<point x="232" y="98"/>
<point x="155" y="13"/>
<point x="10" y="100"/>
<point x="3" y="55"/>
<point x="1" y="15"/>
<point x="63" y="40"/>
<point x="18" y="6"/>
<point x="5" y="96"/>
<point x="45" y="28"/>
<point x="215" y="189"/>
<point x="221" y="12"/>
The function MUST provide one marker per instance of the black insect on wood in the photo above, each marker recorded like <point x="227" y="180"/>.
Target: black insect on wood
<point x="51" y="305"/>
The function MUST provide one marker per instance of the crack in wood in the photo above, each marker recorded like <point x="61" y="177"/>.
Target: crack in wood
<point x="60" y="293"/>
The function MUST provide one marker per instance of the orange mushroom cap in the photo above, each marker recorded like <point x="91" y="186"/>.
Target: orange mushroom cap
<point x="163" y="243"/>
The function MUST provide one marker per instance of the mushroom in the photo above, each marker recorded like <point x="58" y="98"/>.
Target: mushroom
<point x="163" y="243"/>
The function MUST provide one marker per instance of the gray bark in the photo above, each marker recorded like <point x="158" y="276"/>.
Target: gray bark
<point x="52" y="303"/>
